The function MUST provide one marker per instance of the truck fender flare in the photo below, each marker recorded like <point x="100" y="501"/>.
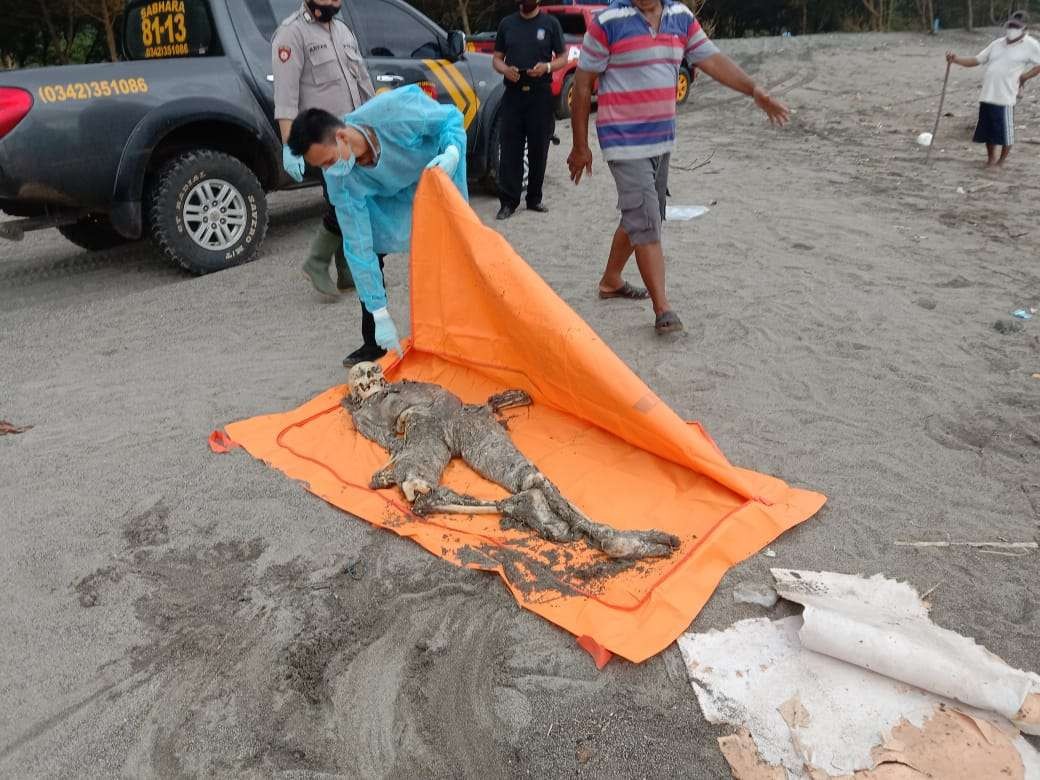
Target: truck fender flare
<point x="157" y="126"/>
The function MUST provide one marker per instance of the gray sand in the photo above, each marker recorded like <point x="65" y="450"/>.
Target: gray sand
<point x="169" y="611"/>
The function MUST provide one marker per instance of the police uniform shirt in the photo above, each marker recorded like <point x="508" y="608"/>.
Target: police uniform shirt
<point x="317" y="66"/>
<point x="526" y="42"/>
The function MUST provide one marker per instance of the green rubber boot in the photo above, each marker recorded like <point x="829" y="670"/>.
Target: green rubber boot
<point x="316" y="266"/>
<point x="344" y="281"/>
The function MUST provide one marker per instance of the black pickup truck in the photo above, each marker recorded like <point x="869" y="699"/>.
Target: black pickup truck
<point x="178" y="140"/>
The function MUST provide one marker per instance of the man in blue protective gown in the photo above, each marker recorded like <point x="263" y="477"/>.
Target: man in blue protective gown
<point x="372" y="160"/>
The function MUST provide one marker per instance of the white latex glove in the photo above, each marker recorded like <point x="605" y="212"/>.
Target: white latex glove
<point x="386" y="331"/>
<point x="447" y="161"/>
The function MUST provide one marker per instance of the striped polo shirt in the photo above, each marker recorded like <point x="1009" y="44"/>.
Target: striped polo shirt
<point x="638" y="71"/>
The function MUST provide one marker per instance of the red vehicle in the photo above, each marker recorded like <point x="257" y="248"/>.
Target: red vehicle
<point x="574" y="19"/>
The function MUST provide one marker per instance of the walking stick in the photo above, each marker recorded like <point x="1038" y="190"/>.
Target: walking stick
<point x="938" y="114"/>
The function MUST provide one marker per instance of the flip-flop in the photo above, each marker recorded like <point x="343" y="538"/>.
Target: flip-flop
<point x="626" y="291"/>
<point x="668" y="322"/>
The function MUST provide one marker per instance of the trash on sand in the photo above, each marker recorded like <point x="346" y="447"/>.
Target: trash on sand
<point x="684" y="213"/>
<point x="960" y="191"/>
<point x="769" y="552"/>
<point x="1022" y="314"/>
<point x="1036" y="376"/>
<point x="858" y="681"/>
<point x="1007" y="326"/>
<point x="755" y="593"/>
<point x="924" y="139"/>
<point x="6" y="427"/>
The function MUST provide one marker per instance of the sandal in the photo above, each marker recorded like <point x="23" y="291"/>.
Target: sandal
<point x="627" y="291"/>
<point x="668" y="322"/>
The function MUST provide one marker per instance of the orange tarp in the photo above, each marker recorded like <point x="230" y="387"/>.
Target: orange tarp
<point x="484" y="321"/>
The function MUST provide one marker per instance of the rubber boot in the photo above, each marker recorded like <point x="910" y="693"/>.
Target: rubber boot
<point x="344" y="281"/>
<point x="316" y="266"/>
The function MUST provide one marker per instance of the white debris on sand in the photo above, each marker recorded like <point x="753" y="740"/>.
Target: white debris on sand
<point x="806" y="714"/>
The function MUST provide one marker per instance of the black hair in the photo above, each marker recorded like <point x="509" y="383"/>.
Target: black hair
<point x="313" y="126"/>
<point x="1019" y="16"/>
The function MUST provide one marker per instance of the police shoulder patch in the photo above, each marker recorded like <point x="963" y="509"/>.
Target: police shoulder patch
<point x="284" y="53"/>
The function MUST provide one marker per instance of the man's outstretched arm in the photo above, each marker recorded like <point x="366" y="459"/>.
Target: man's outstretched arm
<point x="729" y="74"/>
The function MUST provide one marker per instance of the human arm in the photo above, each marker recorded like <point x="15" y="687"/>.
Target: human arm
<point x="355" y="223"/>
<point x="729" y="74"/>
<point x="594" y="58"/>
<point x="287" y="67"/>
<point x="964" y="62"/>
<point x="1029" y="74"/>
<point x="579" y="161"/>
<point x="445" y="124"/>
<point x="511" y="72"/>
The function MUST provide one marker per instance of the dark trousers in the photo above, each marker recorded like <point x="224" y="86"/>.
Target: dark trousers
<point x="328" y="219"/>
<point x="368" y="322"/>
<point x="527" y="117"/>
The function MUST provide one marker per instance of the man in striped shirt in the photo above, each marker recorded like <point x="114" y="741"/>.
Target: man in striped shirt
<point x="635" y="48"/>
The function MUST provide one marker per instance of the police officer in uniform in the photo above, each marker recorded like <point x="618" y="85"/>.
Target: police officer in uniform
<point x="317" y="63"/>
<point x="528" y="49"/>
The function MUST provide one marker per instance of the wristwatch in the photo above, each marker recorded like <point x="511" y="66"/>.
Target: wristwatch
<point x="548" y="67"/>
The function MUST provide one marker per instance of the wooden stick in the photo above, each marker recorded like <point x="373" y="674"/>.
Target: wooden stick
<point x="997" y="545"/>
<point x="938" y="114"/>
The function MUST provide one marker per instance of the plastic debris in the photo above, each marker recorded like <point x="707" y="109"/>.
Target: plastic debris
<point x="924" y="139"/>
<point x="862" y="680"/>
<point x="684" y="213"/>
<point x="1022" y="314"/>
<point x="755" y="593"/>
<point x="769" y="552"/>
<point x="960" y="191"/>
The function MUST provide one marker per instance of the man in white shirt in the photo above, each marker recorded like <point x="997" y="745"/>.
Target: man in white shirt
<point x="1007" y="60"/>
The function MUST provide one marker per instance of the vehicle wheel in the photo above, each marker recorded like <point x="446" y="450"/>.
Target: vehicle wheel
<point x="682" y="85"/>
<point x="563" y="102"/>
<point x="207" y="211"/>
<point x="495" y="156"/>
<point x="93" y="233"/>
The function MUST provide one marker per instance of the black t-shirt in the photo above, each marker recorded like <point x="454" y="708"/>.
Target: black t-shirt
<point x="526" y="42"/>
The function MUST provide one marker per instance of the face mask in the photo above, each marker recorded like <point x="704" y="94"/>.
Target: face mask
<point x="322" y="13"/>
<point x="342" y="166"/>
<point x="1015" y="33"/>
<point x="528" y="6"/>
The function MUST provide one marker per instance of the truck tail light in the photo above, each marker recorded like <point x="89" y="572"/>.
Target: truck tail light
<point x="14" y="105"/>
<point x="429" y="88"/>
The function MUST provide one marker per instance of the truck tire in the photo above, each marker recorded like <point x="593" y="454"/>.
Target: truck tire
<point x="495" y="155"/>
<point x="207" y="211"/>
<point x="563" y="100"/>
<point x="682" y="85"/>
<point x="93" y="233"/>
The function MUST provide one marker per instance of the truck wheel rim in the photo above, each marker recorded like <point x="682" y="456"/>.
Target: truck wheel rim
<point x="214" y="215"/>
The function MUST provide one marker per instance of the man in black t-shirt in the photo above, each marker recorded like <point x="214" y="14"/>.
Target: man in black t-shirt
<point x="528" y="49"/>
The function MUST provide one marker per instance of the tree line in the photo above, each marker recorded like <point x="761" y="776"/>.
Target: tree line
<point x="61" y="32"/>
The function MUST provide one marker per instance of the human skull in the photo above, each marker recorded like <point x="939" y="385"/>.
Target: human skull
<point x="365" y="380"/>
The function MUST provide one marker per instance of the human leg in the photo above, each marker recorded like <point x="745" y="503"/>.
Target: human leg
<point x="369" y="349"/>
<point x="511" y="148"/>
<point x="539" y="123"/>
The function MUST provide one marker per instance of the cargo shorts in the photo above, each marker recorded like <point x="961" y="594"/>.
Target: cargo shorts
<point x="642" y="186"/>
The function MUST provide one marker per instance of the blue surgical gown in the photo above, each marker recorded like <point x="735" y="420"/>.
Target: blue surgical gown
<point x="374" y="204"/>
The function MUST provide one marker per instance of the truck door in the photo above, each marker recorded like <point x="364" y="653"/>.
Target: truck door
<point x="403" y="47"/>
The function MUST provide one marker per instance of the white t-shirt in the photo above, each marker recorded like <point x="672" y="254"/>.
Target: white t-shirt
<point x="1005" y="62"/>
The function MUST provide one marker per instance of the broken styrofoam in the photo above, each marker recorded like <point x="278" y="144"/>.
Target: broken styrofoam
<point x="813" y="716"/>
<point x="684" y="213"/>
<point x="755" y="593"/>
<point x="883" y="625"/>
<point x="841" y="689"/>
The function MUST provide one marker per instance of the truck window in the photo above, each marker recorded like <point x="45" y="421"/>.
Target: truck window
<point x="161" y="29"/>
<point x="388" y="31"/>
<point x="573" y="24"/>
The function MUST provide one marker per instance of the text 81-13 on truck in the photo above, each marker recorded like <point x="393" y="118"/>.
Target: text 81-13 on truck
<point x="178" y="140"/>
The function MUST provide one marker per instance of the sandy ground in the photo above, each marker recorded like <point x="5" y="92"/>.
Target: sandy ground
<point x="172" y="612"/>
